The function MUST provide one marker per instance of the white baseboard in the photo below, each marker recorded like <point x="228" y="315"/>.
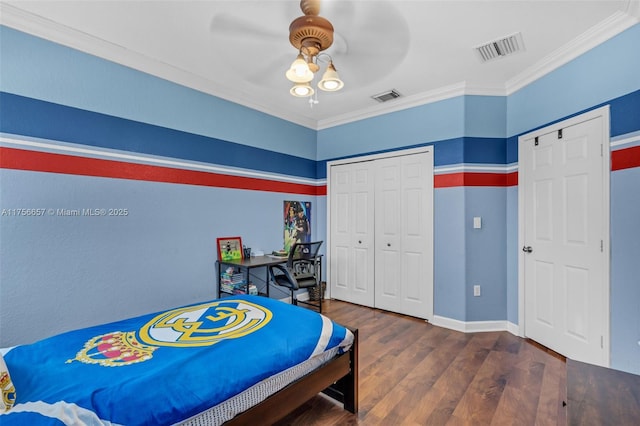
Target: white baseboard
<point x="513" y="329"/>
<point x="475" y="326"/>
<point x="452" y="324"/>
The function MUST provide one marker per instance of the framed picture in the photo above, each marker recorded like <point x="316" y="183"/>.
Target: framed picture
<point x="229" y="248"/>
<point x="297" y="223"/>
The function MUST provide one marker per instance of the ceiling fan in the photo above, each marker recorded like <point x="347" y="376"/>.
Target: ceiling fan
<point x="311" y="34"/>
<point x="365" y="52"/>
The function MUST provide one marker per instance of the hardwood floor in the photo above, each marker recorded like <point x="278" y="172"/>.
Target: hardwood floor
<point x="414" y="373"/>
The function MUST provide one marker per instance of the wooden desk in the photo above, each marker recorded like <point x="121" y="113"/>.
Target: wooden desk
<point x="601" y="396"/>
<point x="246" y="265"/>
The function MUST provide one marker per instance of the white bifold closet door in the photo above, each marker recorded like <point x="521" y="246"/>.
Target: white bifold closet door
<point x="351" y="256"/>
<point x="381" y="225"/>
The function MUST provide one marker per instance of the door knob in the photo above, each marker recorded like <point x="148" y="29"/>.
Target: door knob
<point x="388" y="244"/>
<point x="527" y="249"/>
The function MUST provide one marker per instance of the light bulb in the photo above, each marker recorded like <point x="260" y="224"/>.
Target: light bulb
<point x="302" y="90"/>
<point x="299" y="71"/>
<point x="330" y="81"/>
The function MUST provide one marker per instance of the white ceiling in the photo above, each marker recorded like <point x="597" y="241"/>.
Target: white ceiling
<point x="239" y="49"/>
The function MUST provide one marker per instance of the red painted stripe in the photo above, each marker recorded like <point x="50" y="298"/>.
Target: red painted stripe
<point x="512" y="179"/>
<point x="475" y="179"/>
<point x="448" y="180"/>
<point x="19" y="159"/>
<point x="485" y="179"/>
<point x="626" y="158"/>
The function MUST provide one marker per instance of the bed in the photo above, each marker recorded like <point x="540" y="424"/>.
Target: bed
<point x="236" y="360"/>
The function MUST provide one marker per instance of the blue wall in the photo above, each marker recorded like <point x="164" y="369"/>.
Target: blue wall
<point x="38" y="69"/>
<point x="67" y="272"/>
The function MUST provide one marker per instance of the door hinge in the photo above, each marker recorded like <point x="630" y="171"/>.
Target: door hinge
<point x="535" y="141"/>
<point x="560" y="134"/>
<point x="601" y="150"/>
<point x="602" y="342"/>
<point x="602" y="246"/>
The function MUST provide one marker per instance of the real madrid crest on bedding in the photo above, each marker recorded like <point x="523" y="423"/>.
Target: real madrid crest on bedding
<point x="192" y="326"/>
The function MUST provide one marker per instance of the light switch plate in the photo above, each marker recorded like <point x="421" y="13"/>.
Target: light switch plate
<point x="477" y="222"/>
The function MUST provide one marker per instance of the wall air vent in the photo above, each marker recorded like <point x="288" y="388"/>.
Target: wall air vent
<point x="501" y="47"/>
<point x="386" y="96"/>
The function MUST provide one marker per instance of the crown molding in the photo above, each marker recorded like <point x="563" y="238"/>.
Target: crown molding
<point x="596" y="35"/>
<point x="398" y="104"/>
<point x="38" y="26"/>
<point x="420" y="99"/>
<point x="633" y="8"/>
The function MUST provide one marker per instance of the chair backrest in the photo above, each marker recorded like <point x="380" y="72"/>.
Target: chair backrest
<point x="303" y="251"/>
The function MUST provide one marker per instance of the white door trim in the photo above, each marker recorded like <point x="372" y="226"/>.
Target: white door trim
<point x="603" y="112"/>
<point x="390" y="154"/>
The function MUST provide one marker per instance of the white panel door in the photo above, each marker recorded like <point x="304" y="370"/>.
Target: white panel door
<point x="565" y="273"/>
<point x="352" y="236"/>
<point x="404" y="234"/>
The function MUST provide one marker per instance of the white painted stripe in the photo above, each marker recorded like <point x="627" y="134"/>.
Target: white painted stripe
<point x="482" y="168"/>
<point x="113" y="154"/>
<point x="626" y="141"/>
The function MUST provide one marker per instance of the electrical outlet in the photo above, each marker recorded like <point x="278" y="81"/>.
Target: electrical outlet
<point x="476" y="290"/>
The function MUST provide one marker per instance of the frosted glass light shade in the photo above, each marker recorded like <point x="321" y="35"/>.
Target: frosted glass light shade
<point x="330" y="80"/>
<point x="302" y="90"/>
<point x="299" y="71"/>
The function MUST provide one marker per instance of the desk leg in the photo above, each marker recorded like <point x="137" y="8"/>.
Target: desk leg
<point x="266" y="269"/>
<point x="319" y="284"/>
<point x="218" y="273"/>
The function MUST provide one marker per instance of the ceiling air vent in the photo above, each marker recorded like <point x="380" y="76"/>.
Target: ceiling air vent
<point x="386" y="96"/>
<point x="501" y="47"/>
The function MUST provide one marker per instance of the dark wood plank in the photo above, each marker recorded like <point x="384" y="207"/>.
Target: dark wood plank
<point x="414" y="373"/>
<point x="598" y="395"/>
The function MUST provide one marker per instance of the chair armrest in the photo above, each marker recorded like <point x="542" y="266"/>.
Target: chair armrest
<point x="283" y="271"/>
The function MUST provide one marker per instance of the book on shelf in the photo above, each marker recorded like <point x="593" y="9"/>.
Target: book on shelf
<point x="238" y="288"/>
<point x="234" y="278"/>
<point x="253" y="290"/>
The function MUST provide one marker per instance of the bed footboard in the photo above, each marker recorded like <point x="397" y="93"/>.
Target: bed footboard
<point x="338" y="379"/>
<point x="345" y="390"/>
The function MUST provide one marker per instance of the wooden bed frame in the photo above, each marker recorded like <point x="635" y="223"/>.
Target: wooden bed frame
<point x="338" y="379"/>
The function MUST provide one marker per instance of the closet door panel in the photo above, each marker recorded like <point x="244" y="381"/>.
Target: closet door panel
<point x="389" y="215"/>
<point x="414" y="289"/>
<point x="340" y="259"/>
<point x="351" y="251"/>
<point x="404" y="285"/>
<point x="417" y="235"/>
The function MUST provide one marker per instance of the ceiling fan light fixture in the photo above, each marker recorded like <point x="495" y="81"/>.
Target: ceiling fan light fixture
<point x="311" y="34"/>
<point x="302" y="90"/>
<point x="330" y="80"/>
<point x="299" y="71"/>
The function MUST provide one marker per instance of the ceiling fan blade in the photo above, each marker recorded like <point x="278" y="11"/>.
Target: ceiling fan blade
<point x="227" y="25"/>
<point x="362" y="48"/>
<point x="271" y="72"/>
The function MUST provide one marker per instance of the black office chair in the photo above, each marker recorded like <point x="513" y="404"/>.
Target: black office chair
<point x="302" y="270"/>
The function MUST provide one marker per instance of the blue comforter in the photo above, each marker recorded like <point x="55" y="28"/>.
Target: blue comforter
<point x="164" y="367"/>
